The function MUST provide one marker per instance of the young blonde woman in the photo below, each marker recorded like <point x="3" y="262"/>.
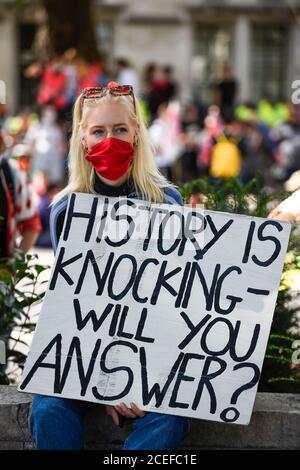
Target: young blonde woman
<point x="110" y="154"/>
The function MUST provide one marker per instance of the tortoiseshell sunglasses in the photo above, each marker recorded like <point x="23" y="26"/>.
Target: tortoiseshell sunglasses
<point x="98" y="92"/>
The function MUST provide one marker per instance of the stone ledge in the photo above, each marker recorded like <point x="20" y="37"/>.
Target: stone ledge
<point x="275" y="424"/>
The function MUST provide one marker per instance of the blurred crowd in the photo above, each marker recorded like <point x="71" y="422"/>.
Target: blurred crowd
<point x="190" y="139"/>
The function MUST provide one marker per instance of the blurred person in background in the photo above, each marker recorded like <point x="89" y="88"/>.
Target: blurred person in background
<point x="148" y="77"/>
<point x="53" y="86"/>
<point x="44" y="238"/>
<point x="190" y="139"/>
<point x="88" y="74"/>
<point x="165" y="137"/>
<point x="226" y="155"/>
<point x="18" y="207"/>
<point x="48" y="143"/>
<point x="286" y="137"/>
<point x="168" y="85"/>
<point x="213" y="125"/>
<point x="22" y="153"/>
<point x="127" y="75"/>
<point x="148" y="90"/>
<point x="162" y="88"/>
<point x="3" y="113"/>
<point x="254" y="155"/>
<point x="226" y="92"/>
<point x="16" y="126"/>
<point x="70" y="72"/>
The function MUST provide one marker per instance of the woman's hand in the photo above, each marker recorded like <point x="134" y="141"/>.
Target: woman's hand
<point x="288" y="210"/>
<point x="278" y="214"/>
<point x="132" y="412"/>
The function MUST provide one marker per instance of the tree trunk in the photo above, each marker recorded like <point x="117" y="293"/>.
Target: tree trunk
<point x="71" y="25"/>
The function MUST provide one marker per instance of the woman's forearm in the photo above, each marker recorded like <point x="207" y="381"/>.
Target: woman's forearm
<point x="28" y="240"/>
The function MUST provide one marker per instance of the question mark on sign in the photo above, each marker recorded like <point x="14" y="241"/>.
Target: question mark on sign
<point x="224" y="415"/>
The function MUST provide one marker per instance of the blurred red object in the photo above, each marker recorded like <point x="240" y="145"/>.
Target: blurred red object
<point x="195" y="199"/>
<point x="52" y="88"/>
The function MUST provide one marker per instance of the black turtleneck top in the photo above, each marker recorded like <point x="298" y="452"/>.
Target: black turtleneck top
<point x="113" y="191"/>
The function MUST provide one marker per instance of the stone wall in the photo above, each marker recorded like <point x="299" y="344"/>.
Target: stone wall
<point x="275" y="424"/>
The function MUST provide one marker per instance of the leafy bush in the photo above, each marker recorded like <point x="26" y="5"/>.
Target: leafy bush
<point x="19" y="290"/>
<point x="279" y="373"/>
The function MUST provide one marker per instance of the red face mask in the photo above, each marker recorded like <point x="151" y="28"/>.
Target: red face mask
<point x="111" y="157"/>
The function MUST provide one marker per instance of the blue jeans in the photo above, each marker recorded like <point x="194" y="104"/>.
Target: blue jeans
<point x="57" y="424"/>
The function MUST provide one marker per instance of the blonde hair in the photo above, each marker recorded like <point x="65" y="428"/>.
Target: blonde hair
<point x="147" y="179"/>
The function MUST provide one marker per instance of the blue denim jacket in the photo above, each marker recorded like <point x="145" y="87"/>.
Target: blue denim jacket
<point x="172" y="196"/>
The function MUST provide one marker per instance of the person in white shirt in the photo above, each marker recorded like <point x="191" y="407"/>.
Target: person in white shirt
<point x="48" y="146"/>
<point x="128" y="76"/>
<point x="164" y="134"/>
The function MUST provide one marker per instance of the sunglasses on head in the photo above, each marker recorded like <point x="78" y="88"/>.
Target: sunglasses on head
<point x="99" y="92"/>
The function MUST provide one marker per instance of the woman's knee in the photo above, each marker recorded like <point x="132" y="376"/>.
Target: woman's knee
<point x="56" y="423"/>
<point x="47" y="410"/>
<point x="43" y="408"/>
<point x="177" y="423"/>
<point x="157" y="431"/>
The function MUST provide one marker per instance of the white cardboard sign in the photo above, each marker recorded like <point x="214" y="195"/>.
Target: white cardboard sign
<point x="164" y="306"/>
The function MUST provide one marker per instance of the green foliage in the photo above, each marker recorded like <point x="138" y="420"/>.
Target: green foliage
<point x="19" y="290"/>
<point x="279" y="373"/>
<point x="231" y="195"/>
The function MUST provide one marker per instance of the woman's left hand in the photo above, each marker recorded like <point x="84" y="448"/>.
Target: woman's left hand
<point x="132" y="412"/>
<point x="277" y="214"/>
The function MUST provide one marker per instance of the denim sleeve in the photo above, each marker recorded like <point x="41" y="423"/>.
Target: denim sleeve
<point x="173" y="196"/>
<point x="57" y="217"/>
